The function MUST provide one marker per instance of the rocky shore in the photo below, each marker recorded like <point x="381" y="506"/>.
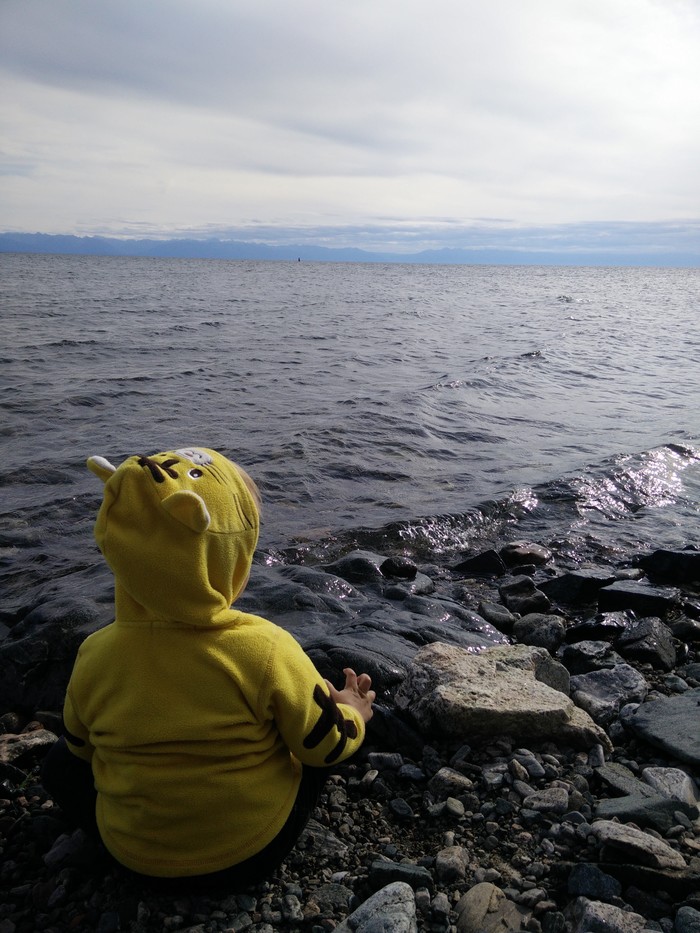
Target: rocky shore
<point x="532" y="763"/>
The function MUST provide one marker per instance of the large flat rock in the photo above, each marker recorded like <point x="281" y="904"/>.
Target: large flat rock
<point x="451" y="692"/>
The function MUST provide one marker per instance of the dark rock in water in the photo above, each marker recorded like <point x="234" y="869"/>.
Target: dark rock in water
<point x="497" y="615"/>
<point x="685" y="629"/>
<point x="648" y="641"/>
<point x="400" y="567"/>
<point x="673" y="566"/>
<point x="586" y="656"/>
<point x="578" y="587"/>
<point x="419" y="585"/>
<point x="542" y="631"/>
<point x="603" y="693"/>
<point x="487" y="563"/>
<point x="358" y="567"/>
<point x="37" y="657"/>
<point x="604" y="625"/>
<point x="671" y="723"/>
<point x="518" y="553"/>
<point x="522" y="596"/>
<point x="639" y="597"/>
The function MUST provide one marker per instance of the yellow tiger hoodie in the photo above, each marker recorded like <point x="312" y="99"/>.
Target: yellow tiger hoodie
<point x="194" y="716"/>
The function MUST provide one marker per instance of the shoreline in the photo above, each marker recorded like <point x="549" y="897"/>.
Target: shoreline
<point x="521" y="821"/>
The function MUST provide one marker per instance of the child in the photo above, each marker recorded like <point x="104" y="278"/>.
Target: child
<point x="195" y="734"/>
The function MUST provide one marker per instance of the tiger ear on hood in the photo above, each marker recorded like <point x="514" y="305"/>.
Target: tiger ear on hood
<point x="101" y="467"/>
<point x="189" y="508"/>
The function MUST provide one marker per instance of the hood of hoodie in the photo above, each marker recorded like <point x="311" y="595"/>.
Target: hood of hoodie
<point x="178" y="530"/>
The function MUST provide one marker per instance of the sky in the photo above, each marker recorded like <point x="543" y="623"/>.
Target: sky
<point x="379" y="124"/>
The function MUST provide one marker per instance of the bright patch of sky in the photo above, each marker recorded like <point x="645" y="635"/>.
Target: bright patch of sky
<point x="379" y="123"/>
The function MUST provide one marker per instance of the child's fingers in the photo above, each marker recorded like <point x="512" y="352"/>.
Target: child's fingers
<point x="364" y="682"/>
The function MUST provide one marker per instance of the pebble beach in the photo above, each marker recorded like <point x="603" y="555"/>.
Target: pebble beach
<point x="423" y="829"/>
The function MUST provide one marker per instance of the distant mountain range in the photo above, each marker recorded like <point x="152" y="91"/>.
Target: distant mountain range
<point x="236" y="249"/>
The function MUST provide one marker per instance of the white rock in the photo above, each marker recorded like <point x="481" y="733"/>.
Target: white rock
<point x="450" y="691"/>
<point x="673" y="783"/>
<point x="486" y="909"/>
<point x="597" y="917"/>
<point x="392" y="909"/>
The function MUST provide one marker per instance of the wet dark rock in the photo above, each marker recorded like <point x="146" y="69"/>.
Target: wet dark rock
<point x="488" y="563"/>
<point x="518" y="553"/>
<point x="578" y="587"/>
<point x="680" y="566"/>
<point x="590" y="881"/>
<point x="586" y="656"/>
<point x="522" y="596"/>
<point x="358" y="567"/>
<point x="400" y="567"/>
<point x="543" y="631"/>
<point x="605" y="625"/>
<point x="685" y="629"/>
<point x="497" y="615"/>
<point x="603" y="693"/>
<point x="672" y="724"/>
<point x="37" y="656"/>
<point x="639" y="597"/>
<point x="648" y="641"/>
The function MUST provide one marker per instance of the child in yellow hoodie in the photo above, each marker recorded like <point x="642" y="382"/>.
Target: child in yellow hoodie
<point x="196" y="736"/>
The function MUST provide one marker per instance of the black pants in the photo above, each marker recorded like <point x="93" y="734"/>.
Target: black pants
<point x="70" y="782"/>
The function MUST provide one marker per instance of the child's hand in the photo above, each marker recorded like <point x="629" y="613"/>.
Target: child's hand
<point x="355" y="693"/>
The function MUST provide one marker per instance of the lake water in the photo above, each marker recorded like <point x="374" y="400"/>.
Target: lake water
<point x="423" y="409"/>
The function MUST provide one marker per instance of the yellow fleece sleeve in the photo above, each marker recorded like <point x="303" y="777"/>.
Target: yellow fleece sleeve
<point x="76" y="734"/>
<point x="317" y="730"/>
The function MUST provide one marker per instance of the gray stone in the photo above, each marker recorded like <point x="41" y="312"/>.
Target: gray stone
<point x="687" y="920"/>
<point x="602" y="693"/>
<point x="671" y="723"/>
<point x="383" y="873"/>
<point x="598" y="917"/>
<point x="621" y="778"/>
<point x="657" y="812"/>
<point x="540" y="630"/>
<point x="522" y="596"/>
<point x="549" y="800"/>
<point x="497" y="615"/>
<point x="15" y="748"/>
<point x="390" y="910"/>
<point x="648" y="641"/>
<point x="449" y="783"/>
<point x="451" y="864"/>
<point x="486" y="909"/>
<point x="590" y="881"/>
<point x="451" y="692"/>
<point x="640" y="846"/>
<point x="316" y="836"/>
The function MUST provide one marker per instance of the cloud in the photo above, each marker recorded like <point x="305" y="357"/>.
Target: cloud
<point x="320" y="114"/>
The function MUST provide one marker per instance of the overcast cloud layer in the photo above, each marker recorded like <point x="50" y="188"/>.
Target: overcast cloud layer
<point x="378" y="123"/>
